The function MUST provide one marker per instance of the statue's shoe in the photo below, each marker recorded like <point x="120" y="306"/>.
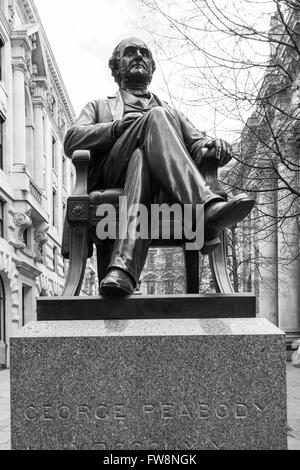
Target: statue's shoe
<point x="117" y="283"/>
<point x="220" y="215"/>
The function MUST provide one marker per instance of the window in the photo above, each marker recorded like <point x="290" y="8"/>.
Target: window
<point x="44" y="136"/>
<point x="23" y="305"/>
<point x="45" y="173"/>
<point x="25" y="237"/>
<point x="54" y="208"/>
<point x="1" y="143"/>
<point x="169" y="259"/>
<point x="169" y="287"/>
<point x="151" y="255"/>
<point x="150" y="287"/>
<point x="55" y="259"/>
<point x="64" y="171"/>
<point x="1" y="219"/>
<point x="53" y="153"/>
<point x="249" y="283"/>
<point x="2" y="312"/>
<point x="26" y="304"/>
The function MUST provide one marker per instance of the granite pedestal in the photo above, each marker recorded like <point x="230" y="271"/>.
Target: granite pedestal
<point x="149" y="384"/>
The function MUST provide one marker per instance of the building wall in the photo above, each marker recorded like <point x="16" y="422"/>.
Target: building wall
<point x="35" y="178"/>
<point x="276" y="240"/>
<point x="164" y="273"/>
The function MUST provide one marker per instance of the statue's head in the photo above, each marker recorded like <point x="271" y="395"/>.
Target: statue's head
<point x="132" y="61"/>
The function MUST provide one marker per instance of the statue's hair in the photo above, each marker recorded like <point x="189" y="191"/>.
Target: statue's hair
<point x="114" y="64"/>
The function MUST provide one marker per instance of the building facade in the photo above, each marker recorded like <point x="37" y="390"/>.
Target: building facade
<point x="270" y="145"/>
<point x="35" y="175"/>
<point x="164" y="273"/>
<point x="263" y="250"/>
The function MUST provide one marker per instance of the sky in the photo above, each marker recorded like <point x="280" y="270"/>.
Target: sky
<point x="82" y="35"/>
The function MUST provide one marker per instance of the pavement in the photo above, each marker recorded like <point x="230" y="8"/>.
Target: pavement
<point x="293" y="407"/>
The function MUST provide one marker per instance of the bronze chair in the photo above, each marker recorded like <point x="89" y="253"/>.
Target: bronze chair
<point x="82" y="219"/>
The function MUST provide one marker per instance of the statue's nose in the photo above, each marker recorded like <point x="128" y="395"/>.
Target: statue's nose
<point x="138" y="53"/>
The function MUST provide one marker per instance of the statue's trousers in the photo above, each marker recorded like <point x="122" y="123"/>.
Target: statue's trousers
<point x="148" y="160"/>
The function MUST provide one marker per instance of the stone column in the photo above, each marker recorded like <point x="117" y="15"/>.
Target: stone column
<point x="289" y="280"/>
<point x="19" y="117"/>
<point x="288" y="235"/>
<point x="38" y="145"/>
<point x="268" y="265"/>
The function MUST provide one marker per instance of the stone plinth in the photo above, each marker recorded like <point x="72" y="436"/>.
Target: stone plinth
<point x="138" y="307"/>
<point x="149" y="384"/>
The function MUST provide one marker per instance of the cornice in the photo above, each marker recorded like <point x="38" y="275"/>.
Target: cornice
<point x="26" y="6"/>
<point x="20" y="38"/>
<point x="32" y="13"/>
<point x="26" y="269"/>
<point x="5" y="28"/>
<point x="54" y="125"/>
<point x="58" y="81"/>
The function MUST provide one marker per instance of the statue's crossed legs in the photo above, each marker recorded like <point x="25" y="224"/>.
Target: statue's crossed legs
<point x="148" y="160"/>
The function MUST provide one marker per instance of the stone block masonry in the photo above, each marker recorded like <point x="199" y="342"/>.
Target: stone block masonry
<point x="149" y="384"/>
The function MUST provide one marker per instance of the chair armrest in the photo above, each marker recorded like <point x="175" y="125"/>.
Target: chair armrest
<point x="81" y="160"/>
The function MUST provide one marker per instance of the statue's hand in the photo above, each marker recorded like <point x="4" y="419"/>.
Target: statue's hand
<point x="220" y="149"/>
<point x="121" y="125"/>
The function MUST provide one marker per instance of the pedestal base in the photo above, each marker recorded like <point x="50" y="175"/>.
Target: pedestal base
<point x="149" y="384"/>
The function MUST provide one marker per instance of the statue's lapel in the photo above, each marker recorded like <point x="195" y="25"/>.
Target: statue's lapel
<point x="116" y="106"/>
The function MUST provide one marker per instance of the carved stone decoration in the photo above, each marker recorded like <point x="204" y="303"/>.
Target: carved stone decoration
<point x="31" y="73"/>
<point x="61" y="123"/>
<point x="40" y="238"/>
<point x="32" y="85"/>
<point x="11" y="9"/>
<point x="28" y="63"/>
<point x="50" y="100"/>
<point x="78" y="210"/>
<point x="22" y="222"/>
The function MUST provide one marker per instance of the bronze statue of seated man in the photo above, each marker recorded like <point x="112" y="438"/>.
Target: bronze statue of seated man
<point x="142" y="144"/>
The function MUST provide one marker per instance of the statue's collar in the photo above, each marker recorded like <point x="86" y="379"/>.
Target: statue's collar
<point x="116" y="105"/>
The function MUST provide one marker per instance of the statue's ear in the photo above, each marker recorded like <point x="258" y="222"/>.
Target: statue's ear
<point x="114" y="65"/>
<point x="153" y="66"/>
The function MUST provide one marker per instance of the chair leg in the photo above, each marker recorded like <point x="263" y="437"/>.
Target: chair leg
<point x="103" y="259"/>
<point x="77" y="260"/>
<point x="219" y="268"/>
<point x="192" y="271"/>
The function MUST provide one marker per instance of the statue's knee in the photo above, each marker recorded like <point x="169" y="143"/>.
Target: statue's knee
<point x="138" y="154"/>
<point x="137" y="158"/>
<point x="157" y="114"/>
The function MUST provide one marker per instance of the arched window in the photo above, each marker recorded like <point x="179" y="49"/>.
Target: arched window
<point x="2" y="311"/>
<point x="29" y="132"/>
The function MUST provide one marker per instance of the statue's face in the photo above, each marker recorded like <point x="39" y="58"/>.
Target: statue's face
<point x="135" y="61"/>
